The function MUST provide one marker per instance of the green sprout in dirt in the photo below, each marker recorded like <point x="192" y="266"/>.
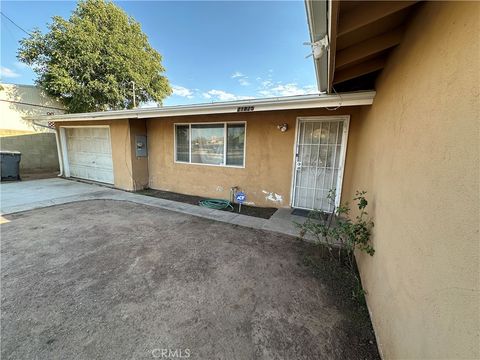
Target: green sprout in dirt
<point x="340" y="234"/>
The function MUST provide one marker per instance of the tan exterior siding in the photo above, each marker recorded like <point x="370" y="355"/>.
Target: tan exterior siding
<point x="121" y="154"/>
<point x="122" y="134"/>
<point x="139" y="164"/>
<point x="416" y="153"/>
<point x="268" y="159"/>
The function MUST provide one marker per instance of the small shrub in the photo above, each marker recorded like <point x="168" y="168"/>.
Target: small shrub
<point x="341" y="235"/>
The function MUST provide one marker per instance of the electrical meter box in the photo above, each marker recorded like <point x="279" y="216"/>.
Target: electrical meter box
<point x="140" y="145"/>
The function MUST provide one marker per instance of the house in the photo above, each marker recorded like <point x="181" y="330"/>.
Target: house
<point x="35" y="141"/>
<point x="207" y="149"/>
<point x="399" y="118"/>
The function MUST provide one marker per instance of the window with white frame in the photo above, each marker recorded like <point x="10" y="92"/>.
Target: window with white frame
<point x="220" y="144"/>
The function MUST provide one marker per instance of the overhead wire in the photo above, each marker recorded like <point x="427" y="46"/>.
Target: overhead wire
<point x="14" y="23"/>
<point x="341" y="101"/>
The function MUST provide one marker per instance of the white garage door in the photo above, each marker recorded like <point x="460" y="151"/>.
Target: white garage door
<point x="90" y="153"/>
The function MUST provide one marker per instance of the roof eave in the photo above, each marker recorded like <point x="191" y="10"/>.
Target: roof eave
<point x="317" y="17"/>
<point x="287" y="103"/>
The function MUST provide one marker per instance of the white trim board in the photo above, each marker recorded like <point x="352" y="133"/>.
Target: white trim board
<point x="282" y="103"/>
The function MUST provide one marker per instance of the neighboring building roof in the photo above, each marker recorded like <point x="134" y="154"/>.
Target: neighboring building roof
<point x="281" y="103"/>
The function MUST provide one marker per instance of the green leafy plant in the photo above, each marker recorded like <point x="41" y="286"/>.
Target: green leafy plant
<point x="98" y="59"/>
<point x="341" y="234"/>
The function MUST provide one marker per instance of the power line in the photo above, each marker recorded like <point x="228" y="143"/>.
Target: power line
<point x="30" y="104"/>
<point x="14" y="23"/>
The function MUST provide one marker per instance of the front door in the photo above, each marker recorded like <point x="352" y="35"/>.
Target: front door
<point x="319" y="161"/>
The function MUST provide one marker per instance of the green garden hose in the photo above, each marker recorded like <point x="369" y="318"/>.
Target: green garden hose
<point x="217" y="204"/>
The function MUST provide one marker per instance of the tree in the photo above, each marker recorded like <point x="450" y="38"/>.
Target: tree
<point x="92" y="60"/>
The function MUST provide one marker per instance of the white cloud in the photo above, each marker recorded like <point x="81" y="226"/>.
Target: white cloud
<point x="221" y="95"/>
<point x="237" y="74"/>
<point x="242" y="78"/>
<point x="148" y="104"/>
<point x="267" y="83"/>
<point x="244" y="81"/>
<point x="182" y="91"/>
<point x="7" y="73"/>
<point x="291" y="89"/>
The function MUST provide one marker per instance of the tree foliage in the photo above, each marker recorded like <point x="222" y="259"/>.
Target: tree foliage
<point x="90" y="60"/>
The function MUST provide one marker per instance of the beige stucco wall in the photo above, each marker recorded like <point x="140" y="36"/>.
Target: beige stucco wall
<point x="130" y="173"/>
<point x="268" y="160"/>
<point x="417" y="155"/>
<point x="139" y="164"/>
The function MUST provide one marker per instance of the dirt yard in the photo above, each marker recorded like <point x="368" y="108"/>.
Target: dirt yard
<point x="106" y="279"/>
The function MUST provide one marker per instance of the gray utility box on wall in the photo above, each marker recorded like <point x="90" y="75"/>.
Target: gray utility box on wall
<point x="10" y="165"/>
<point x="140" y="145"/>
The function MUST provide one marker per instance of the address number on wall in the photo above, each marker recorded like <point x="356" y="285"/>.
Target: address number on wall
<point x="245" y="108"/>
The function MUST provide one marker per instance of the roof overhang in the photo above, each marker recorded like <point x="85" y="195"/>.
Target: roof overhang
<point x="317" y="12"/>
<point x="283" y="103"/>
<point x="361" y="36"/>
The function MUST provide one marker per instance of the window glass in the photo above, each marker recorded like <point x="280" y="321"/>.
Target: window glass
<point x="235" y="144"/>
<point x="181" y="133"/>
<point x="207" y="143"/>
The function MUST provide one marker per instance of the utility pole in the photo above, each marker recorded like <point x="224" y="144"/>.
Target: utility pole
<point x="134" y="102"/>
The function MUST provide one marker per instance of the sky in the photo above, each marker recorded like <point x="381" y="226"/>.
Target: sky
<point x="212" y="50"/>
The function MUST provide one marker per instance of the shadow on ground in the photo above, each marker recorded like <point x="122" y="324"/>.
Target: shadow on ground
<point x="110" y="279"/>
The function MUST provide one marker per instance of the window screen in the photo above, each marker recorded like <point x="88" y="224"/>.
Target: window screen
<point x="235" y="144"/>
<point x="213" y="144"/>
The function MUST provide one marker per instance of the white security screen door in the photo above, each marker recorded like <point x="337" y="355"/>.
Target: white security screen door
<point x="89" y="153"/>
<point x="319" y="161"/>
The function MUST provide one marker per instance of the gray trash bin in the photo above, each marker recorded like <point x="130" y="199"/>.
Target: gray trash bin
<point x="10" y="165"/>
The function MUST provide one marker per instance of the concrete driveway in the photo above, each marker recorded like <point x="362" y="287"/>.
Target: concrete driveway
<point x="26" y="195"/>
<point x="106" y="279"/>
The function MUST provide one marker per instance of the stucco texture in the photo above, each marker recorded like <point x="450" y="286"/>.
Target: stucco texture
<point x="267" y="176"/>
<point x="416" y="153"/>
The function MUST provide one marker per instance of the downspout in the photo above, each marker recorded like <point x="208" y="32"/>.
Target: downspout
<point x="60" y="158"/>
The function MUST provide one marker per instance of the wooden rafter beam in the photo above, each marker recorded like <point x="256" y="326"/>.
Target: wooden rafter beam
<point x="357" y="70"/>
<point x="368" y="13"/>
<point x="368" y="48"/>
